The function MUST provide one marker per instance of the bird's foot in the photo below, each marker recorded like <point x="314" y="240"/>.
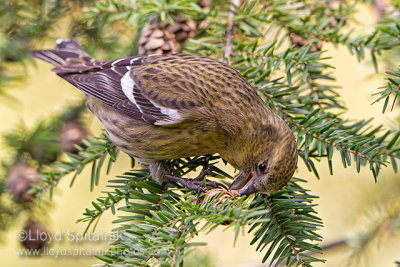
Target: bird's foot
<point x="213" y="184"/>
<point x="198" y="184"/>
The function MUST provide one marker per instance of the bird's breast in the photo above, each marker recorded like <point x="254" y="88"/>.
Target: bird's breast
<point x="152" y="143"/>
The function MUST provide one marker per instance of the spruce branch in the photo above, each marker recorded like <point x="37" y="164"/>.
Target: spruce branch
<point x="161" y="221"/>
<point x="324" y="248"/>
<point x="39" y="145"/>
<point x="96" y="150"/>
<point x="330" y="20"/>
<point x="288" y="211"/>
<point x="314" y="93"/>
<point x="107" y="203"/>
<point x="282" y="229"/>
<point x="319" y="131"/>
<point x="327" y="127"/>
<point x="326" y="140"/>
<point x="364" y="147"/>
<point x="389" y="91"/>
<point x="24" y="23"/>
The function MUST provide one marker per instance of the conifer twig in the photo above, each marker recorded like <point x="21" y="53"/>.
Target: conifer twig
<point x="324" y="249"/>
<point x="279" y="223"/>
<point x="229" y="31"/>
<point x="300" y="127"/>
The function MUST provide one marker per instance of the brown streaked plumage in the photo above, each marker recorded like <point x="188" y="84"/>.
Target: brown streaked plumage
<point x="164" y="107"/>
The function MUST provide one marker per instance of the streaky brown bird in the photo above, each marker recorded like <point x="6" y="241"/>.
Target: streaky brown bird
<point x="163" y="107"/>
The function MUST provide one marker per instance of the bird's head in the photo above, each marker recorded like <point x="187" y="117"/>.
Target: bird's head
<point x="270" y="162"/>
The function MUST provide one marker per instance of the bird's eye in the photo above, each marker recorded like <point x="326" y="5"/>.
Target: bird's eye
<point x="262" y="167"/>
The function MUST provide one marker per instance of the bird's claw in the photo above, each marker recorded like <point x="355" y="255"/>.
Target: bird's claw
<point x="199" y="183"/>
<point x="212" y="184"/>
<point x="203" y="174"/>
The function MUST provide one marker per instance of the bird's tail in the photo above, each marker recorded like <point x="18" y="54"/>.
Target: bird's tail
<point x="68" y="56"/>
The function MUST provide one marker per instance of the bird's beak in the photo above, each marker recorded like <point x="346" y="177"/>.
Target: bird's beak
<point x="244" y="184"/>
<point x="248" y="189"/>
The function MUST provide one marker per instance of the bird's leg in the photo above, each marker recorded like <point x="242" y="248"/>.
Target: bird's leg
<point x="205" y="171"/>
<point x="160" y="172"/>
<point x="198" y="184"/>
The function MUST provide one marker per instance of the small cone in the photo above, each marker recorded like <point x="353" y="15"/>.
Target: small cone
<point x="299" y="41"/>
<point x="34" y="236"/>
<point x="334" y="5"/>
<point x="166" y="38"/>
<point x="72" y="134"/>
<point x="19" y="182"/>
<point x="222" y="194"/>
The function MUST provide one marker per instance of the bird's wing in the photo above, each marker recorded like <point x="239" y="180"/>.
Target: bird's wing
<point x="163" y="89"/>
<point x="126" y="85"/>
<point x="176" y="87"/>
<point x="159" y="89"/>
<point x="137" y="89"/>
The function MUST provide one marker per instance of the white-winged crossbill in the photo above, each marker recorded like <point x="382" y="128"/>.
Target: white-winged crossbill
<point x="163" y="107"/>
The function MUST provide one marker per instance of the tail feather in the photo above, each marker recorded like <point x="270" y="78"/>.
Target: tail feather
<point x="101" y="80"/>
<point x="68" y="56"/>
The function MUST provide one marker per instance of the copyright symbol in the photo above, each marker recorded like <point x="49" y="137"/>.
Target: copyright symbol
<point x="22" y="236"/>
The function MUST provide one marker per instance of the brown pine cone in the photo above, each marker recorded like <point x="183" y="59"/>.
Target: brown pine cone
<point x="167" y="38"/>
<point x="299" y="41"/>
<point x="157" y="41"/>
<point x="72" y="134"/>
<point x="34" y="236"/>
<point x="222" y="195"/>
<point x="19" y="182"/>
<point x="205" y="4"/>
<point x="334" y="5"/>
